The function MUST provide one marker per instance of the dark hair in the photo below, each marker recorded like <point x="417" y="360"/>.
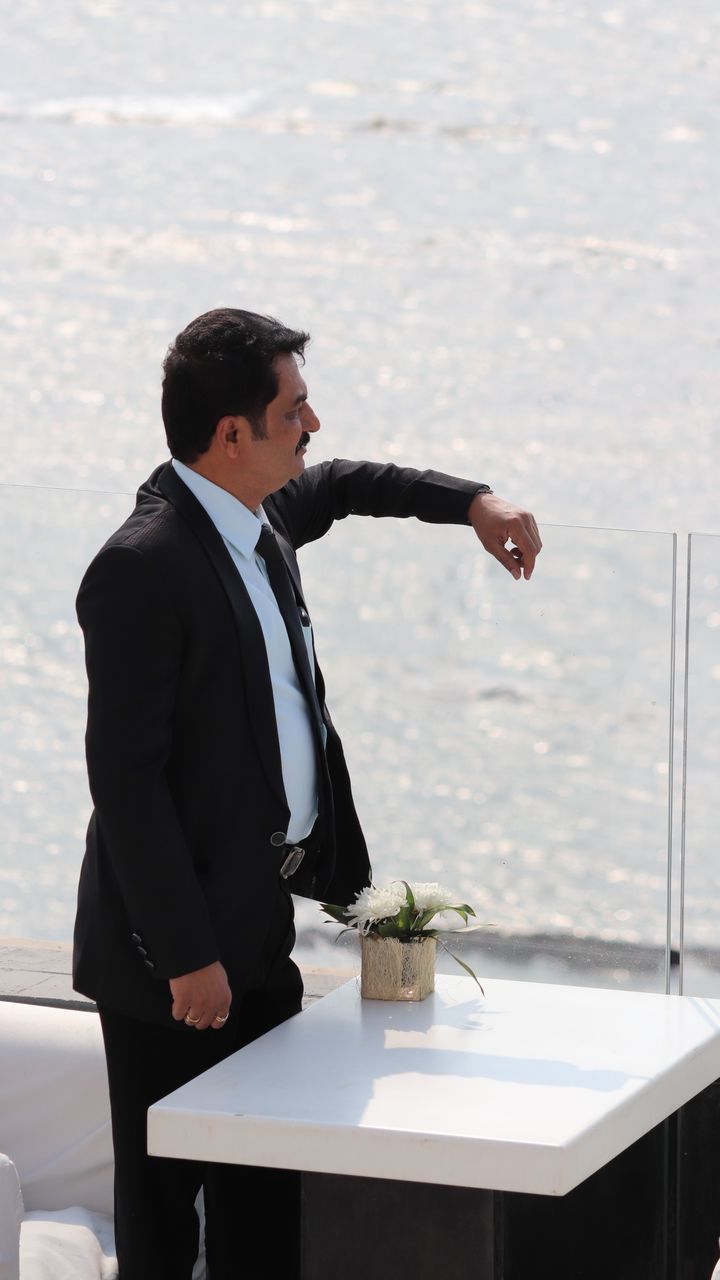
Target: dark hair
<point x="222" y="363"/>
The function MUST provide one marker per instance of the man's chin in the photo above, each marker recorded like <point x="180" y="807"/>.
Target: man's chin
<point x="298" y="466"/>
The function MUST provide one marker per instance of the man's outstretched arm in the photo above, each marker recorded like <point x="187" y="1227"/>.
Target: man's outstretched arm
<point x="333" y="490"/>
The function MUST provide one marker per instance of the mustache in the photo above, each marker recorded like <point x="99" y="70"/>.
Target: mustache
<point x="303" y="441"/>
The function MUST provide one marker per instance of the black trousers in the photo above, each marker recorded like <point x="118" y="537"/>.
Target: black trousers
<point x="156" y="1226"/>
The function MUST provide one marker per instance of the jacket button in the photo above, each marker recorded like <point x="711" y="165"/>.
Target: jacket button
<point x="142" y="951"/>
<point x="136" y="937"/>
<point x="148" y="964"/>
<point x="278" y="838"/>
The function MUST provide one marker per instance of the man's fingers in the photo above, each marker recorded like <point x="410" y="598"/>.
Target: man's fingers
<point x="524" y="532"/>
<point x="527" y="560"/>
<point x="511" y="558"/>
<point x="202" y="1023"/>
<point x="193" y="1017"/>
<point x="180" y="1007"/>
<point x="519" y="556"/>
<point x="198" y="997"/>
<point x="517" y="560"/>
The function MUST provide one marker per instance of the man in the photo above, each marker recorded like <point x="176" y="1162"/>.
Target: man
<point x="218" y="779"/>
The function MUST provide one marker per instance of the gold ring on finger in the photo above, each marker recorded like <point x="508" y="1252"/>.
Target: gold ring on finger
<point x="192" y="1022"/>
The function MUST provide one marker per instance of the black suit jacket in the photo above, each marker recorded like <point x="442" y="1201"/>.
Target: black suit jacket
<point x="183" y="758"/>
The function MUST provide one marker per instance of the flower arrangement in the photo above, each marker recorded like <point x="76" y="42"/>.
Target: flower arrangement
<point x="403" y="911"/>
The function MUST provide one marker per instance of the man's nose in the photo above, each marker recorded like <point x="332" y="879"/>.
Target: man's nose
<point x="310" y="420"/>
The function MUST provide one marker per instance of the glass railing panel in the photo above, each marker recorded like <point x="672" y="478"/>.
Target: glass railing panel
<point x="47" y="538"/>
<point x="701" y="935"/>
<point x="508" y="739"/>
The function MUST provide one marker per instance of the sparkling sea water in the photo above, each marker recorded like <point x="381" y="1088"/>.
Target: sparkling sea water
<point x="499" y="222"/>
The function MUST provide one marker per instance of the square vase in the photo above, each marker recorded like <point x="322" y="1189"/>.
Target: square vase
<point x="395" y="970"/>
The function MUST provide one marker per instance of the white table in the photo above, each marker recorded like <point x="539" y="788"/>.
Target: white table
<point x="531" y="1089"/>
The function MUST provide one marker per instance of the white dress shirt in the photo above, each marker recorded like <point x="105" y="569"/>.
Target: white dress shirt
<point x="240" y="530"/>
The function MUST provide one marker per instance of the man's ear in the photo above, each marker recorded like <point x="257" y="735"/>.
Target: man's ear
<point x="231" y="432"/>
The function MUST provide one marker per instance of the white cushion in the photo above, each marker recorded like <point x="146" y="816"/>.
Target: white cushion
<point x="11" y="1212"/>
<point x="54" y="1106"/>
<point x="70" y="1244"/>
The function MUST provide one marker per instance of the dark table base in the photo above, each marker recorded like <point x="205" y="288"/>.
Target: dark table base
<point x="653" y="1213"/>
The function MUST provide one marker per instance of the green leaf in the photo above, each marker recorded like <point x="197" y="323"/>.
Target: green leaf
<point x="461" y="912"/>
<point x="468" y="928"/>
<point x="391" y="928"/>
<point x="409" y="896"/>
<point x="424" y="919"/>
<point x="337" y="913"/>
<point x="463" y="909"/>
<point x="350" y="929"/>
<point x="462" y="964"/>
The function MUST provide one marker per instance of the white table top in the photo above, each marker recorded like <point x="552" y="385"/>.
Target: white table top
<point x="531" y="1089"/>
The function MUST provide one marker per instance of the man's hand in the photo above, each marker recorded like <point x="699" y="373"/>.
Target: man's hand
<point x="202" y="998"/>
<point x="497" y="522"/>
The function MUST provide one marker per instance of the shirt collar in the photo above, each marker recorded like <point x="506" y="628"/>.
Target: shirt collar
<point x="234" y="521"/>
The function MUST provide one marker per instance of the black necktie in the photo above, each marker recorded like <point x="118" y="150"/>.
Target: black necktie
<point x="267" y="547"/>
<point x="317" y="868"/>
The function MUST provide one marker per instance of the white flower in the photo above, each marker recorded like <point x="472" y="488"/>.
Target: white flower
<point x="429" y="896"/>
<point x="372" y="905"/>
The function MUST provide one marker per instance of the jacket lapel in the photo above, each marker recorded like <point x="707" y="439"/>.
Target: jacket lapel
<point x="256" y="673"/>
